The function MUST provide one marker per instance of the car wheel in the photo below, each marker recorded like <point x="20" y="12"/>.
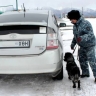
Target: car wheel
<point x="59" y="76"/>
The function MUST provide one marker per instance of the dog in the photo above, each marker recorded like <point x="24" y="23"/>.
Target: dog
<point x="72" y="69"/>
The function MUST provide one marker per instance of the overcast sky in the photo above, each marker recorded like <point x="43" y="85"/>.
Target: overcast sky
<point x="57" y="4"/>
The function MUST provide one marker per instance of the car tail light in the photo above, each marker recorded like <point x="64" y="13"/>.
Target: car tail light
<point x="52" y="41"/>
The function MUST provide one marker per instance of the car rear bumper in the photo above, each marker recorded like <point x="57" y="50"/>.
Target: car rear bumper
<point x="48" y="62"/>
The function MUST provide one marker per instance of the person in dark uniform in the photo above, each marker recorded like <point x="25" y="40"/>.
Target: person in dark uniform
<point x="85" y="38"/>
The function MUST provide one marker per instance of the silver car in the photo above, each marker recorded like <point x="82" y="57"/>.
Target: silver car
<point x="30" y="43"/>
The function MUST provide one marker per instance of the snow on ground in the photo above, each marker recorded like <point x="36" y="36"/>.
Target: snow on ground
<point x="43" y="85"/>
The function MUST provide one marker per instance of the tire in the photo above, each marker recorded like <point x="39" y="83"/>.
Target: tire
<point x="59" y="76"/>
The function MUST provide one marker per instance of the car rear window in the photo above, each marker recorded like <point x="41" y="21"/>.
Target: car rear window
<point x="21" y="29"/>
<point x="24" y="18"/>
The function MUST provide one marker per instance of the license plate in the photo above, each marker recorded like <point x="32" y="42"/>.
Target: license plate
<point x="15" y="44"/>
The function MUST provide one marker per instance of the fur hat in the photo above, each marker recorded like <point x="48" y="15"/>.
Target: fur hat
<point x="74" y="14"/>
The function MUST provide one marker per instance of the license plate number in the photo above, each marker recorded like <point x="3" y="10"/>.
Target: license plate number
<point x="15" y="44"/>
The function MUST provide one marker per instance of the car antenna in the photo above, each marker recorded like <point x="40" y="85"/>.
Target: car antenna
<point x="24" y="9"/>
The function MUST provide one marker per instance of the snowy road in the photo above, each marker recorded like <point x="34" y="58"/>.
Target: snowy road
<point x="43" y="85"/>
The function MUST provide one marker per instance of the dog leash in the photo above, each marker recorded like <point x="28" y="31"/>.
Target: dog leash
<point x="74" y="49"/>
<point x="77" y="53"/>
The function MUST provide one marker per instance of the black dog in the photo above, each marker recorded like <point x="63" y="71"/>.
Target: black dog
<point x="72" y="69"/>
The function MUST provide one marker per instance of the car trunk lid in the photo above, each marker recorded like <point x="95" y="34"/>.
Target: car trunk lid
<point x="22" y="39"/>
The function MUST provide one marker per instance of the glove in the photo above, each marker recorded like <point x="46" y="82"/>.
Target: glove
<point x="78" y="39"/>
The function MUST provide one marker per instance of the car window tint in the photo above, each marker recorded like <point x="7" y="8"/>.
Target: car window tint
<point x="21" y="18"/>
<point x="20" y="29"/>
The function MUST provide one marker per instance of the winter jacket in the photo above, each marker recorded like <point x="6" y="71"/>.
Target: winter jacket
<point x="83" y="30"/>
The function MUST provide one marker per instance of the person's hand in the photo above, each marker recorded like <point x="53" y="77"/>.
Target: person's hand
<point x="78" y="39"/>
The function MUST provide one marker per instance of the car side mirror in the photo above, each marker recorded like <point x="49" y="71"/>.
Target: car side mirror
<point x="62" y="25"/>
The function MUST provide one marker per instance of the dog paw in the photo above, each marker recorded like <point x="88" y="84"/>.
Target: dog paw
<point x="74" y="86"/>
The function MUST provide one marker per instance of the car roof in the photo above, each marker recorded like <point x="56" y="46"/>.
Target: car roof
<point x="27" y="11"/>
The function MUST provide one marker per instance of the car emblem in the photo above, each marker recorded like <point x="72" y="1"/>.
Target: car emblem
<point x="13" y="36"/>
